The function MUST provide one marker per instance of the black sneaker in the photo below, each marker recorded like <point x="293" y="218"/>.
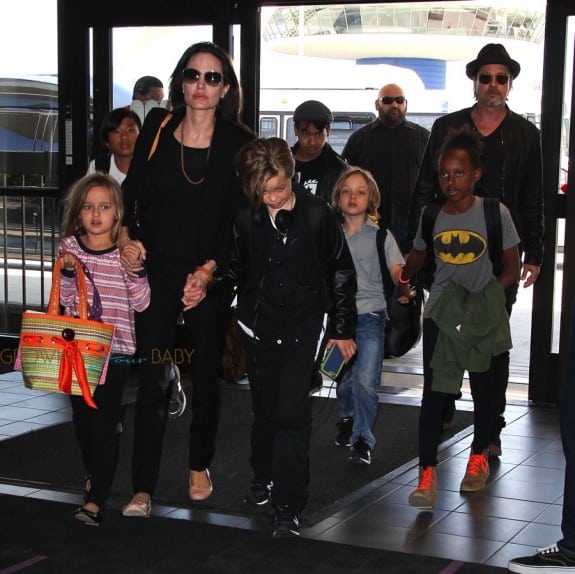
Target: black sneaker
<point x="258" y="493"/>
<point x="360" y="452"/>
<point x="549" y="560"/>
<point x="177" y="399"/>
<point x="286" y="523"/>
<point x="345" y="428"/>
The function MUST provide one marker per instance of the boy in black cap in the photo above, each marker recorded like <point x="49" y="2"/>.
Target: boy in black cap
<point x="317" y="164"/>
<point x="512" y="172"/>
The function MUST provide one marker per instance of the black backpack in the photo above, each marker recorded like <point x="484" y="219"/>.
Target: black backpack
<point x="494" y="238"/>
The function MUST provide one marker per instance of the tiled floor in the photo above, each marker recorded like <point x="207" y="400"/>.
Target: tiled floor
<point x="519" y="510"/>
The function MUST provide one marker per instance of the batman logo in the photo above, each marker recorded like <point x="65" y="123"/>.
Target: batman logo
<point x="459" y="247"/>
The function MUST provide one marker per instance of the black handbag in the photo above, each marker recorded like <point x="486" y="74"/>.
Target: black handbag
<point x="404" y="327"/>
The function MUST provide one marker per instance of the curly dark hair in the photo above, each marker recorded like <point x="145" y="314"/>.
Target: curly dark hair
<point x="466" y="139"/>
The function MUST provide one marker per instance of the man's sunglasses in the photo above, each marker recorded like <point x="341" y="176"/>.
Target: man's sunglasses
<point x="388" y="100"/>
<point x="191" y="76"/>
<point x="501" y="79"/>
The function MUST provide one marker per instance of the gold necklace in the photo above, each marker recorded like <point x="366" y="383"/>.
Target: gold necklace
<point x="188" y="178"/>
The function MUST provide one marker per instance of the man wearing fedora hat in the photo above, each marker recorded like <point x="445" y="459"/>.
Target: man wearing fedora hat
<point x="512" y="172"/>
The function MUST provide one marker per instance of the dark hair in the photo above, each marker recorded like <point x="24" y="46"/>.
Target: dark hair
<point x="466" y="139"/>
<point x="320" y="126"/>
<point x="230" y="106"/>
<point x="113" y="119"/>
<point x="260" y="160"/>
<point x="144" y="84"/>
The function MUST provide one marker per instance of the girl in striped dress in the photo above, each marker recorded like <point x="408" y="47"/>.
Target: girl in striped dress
<point x="91" y="224"/>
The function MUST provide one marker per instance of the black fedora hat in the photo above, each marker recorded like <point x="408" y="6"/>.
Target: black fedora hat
<point x="492" y="54"/>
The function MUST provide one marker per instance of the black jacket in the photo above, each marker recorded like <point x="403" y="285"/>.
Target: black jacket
<point x="522" y="181"/>
<point x="333" y="166"/>
<point x="326" y="279"/>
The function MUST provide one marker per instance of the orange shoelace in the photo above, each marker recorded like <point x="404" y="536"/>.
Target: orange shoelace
<point x="477" y="464"/>
<point x="426" y="481"/>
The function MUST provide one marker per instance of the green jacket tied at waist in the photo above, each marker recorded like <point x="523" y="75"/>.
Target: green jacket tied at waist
<point x="473" y="327"/>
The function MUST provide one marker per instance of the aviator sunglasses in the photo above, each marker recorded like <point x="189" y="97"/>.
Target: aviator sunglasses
<point x="388" y="100"/>
<point x="501" y="79"/>
<point x="191" y="76"/>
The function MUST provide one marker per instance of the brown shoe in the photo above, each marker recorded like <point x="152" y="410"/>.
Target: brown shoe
<point x="424" y="495"/>
<point x="201" y="486"/>
<point x="477" y="473"/>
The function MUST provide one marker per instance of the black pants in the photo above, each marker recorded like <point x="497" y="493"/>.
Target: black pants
<point x="433" y="403"/>
<point x="204" y="332"/>
<point x="280" y="377"/>
<point x="96" y="430"/>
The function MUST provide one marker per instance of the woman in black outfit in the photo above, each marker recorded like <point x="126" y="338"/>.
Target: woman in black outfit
<point x="181" y="193"/>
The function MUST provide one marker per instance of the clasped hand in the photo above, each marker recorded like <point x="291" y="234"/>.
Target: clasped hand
<point x="194" y="290"/>
<point x="405" y="292"/>
<point x="132" y="257"/>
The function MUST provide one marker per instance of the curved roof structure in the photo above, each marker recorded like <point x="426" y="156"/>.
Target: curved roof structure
<point x="420" y="36"/>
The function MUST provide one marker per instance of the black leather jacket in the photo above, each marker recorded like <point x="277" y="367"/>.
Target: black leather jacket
<point x="330" y="277"/>
<point x="521" y="184"/>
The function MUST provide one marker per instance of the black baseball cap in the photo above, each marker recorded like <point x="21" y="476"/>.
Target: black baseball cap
<point x="313" y="111"/>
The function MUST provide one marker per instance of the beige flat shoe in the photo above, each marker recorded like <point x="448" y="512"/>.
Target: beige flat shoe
<point x="201" y="486"/>
<point x="140" y="506"/>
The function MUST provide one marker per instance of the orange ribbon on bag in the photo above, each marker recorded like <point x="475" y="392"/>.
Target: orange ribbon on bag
<point x="72" y="360"/>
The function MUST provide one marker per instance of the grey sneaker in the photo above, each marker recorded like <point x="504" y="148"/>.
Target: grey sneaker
<point x="177" y="399"/>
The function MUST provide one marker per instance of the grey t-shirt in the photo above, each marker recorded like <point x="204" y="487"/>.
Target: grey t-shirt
<point x="363" y="247"/>
<point x="461" y="253"/>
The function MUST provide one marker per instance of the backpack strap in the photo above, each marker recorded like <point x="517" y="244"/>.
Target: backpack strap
<point x="428" y="218"/>
<point x="494" y="233"/>
<point x="388" y="284"/>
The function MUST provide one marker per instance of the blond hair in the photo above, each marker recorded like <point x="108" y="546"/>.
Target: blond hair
<point x="374" y="200"/>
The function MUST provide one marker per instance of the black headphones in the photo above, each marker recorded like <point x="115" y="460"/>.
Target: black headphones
<point x="283" y="220"/>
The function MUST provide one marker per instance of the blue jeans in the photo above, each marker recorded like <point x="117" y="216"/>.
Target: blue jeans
<point x="567" y="424"/>
<point x="357" y="393"/>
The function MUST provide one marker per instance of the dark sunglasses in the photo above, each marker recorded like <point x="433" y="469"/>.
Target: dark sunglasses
<point x="388" y="100"/>
<point x="191" y="76"/>
<point x="501" y="79"/>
